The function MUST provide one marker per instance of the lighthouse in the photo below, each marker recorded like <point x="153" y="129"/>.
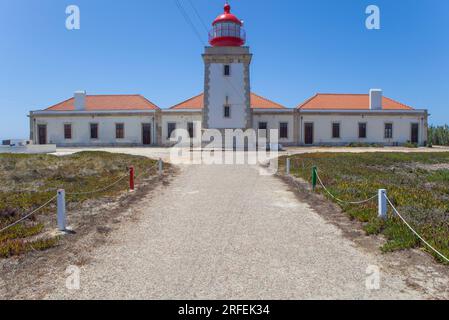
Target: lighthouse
<point x="227" y="89"/>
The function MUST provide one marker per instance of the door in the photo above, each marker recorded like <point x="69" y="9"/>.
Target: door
<point x="415" y="133"/>
<point x="308" y="133"/>
<point x="146" y="134"/>
<point x="42" y="134"/>
<point x="263" y="131"/>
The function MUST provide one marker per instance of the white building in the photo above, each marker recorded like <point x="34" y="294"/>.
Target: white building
<point x="228" y="103"/>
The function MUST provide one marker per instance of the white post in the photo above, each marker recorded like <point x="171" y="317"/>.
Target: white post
<point x="161" y="167"/>
<point x="287" y="166"/>
<point x="383" y="204"/>
<point x="61" y="210"/>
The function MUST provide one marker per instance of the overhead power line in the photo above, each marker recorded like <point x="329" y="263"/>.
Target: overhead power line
<point x="189" y="21"/>
<point x="199" y="16"/>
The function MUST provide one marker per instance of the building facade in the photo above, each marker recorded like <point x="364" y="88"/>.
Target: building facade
<point x="227" y="102"/>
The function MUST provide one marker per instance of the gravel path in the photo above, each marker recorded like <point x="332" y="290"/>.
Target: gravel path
<point x="225" y="232"/>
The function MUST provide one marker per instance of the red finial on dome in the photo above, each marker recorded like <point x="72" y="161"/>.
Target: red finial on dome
<point x="227" y="8"/>
<point x="228" y="30"/>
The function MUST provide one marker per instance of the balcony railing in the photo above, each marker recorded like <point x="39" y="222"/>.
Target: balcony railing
<point x="233" y="31"/>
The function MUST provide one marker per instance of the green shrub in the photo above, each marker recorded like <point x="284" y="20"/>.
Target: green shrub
<point x="438" y="136"/>
<point x="411" y="145"/>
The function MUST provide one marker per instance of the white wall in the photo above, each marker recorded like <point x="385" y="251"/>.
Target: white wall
<point x="29" y="149"/>
<point x="349" y="125"/>
<point x="106" y="129"/>
<point x="273" y="122"/>
<point x="181" y="121"/>
<point x="232" y="86"/>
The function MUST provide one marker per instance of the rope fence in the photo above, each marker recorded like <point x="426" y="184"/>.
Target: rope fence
<point x="343" y="201"/>
<point x="98" y="190"/>
<point x="28" y="215"/>
<point x="61" y="194"/>
<point x="416" y="233"/>
<point x="382" y="204"/>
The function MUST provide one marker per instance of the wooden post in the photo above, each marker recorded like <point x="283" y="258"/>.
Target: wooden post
<point x="62" y="221"/>
<point x="314" y="177"/>
<point x="287" y="166"/>
<point x="383" y="204"/>
<point x="131" y="178"/>
<point x="161" y="167"/>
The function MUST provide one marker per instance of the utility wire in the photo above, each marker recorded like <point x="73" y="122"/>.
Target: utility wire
<point x="195" y="30"/>
<point x="199" y="16"/>
<point x="189" y="21"/>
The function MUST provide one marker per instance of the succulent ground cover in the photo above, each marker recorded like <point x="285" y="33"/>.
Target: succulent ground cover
<point x="417" y="184"/>
<point x="28" y="181"/>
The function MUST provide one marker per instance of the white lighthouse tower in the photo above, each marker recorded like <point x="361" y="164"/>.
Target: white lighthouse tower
<point x="227" y="91"/>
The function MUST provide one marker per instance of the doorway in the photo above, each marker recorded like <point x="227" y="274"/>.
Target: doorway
<point x="308" y="133"/>
<point x="415" y="133"/>
<point x="42" y="134"/>
<point x="146" y="134"/>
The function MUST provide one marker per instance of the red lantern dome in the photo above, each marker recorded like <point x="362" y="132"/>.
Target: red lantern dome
<point x="227" y="30"/>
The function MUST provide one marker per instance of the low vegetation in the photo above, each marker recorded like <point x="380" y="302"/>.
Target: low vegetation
<point x="364" y="145"/>
<point x="28" y="181"/>
<point x="417" y="184"/>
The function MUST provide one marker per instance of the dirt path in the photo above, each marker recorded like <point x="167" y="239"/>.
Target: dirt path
<point x="225" y="232"/>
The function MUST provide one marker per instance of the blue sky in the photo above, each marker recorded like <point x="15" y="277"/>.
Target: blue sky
<point x="146" y="47"/>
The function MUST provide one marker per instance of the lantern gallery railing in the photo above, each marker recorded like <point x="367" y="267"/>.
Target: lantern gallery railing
<point x="231" y="30"/>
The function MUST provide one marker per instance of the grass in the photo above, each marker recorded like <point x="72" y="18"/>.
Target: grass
<point x="28" y="181"/>
<point x="417" y="184"/>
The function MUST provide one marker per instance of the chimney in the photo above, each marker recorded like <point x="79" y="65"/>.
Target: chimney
<point x="80" y="100"/>
<point x="375" y="99"/>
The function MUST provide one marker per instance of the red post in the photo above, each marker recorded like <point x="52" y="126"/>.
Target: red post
<point x="131" y="178"/>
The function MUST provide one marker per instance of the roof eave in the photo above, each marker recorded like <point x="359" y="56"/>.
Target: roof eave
<point x="411" y="111"/>
<point x="89" y="112"/>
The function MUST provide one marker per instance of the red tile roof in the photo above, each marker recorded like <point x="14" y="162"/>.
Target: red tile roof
<point x="323" y="101"/>
<point x="257" y="102"/>
<point x="194" y="103"/>
<point x="108" y="103"/>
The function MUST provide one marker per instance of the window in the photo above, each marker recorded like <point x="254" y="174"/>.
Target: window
<point x="388" y="131"/>
<point x="94" y="130"/>
<point x="227" y="70"/>
<point x="190" y="129"/>
<point x="283" y="130"/>
<point x="120" y="131"/>
<point x="68" y="131"/>
<point x="171" y="127"/>
<point x="263" y="129"/>
<point x="362" y="130"/>
<point x="335" y="130"/>
<point x="263" y="126"/>
<point x="227" y="111"/>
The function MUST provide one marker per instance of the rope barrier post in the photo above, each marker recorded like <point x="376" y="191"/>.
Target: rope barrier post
<point x="287" y="166"/>
<point x="383" y="204"/>
<point x="131" y="178"/>
<point x="314" y="177"/>
<point x="62" y="221"/>
<point x="160" y="166"/>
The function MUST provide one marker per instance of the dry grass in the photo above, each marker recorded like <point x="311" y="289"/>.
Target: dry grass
<point x="28" y="181"/>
